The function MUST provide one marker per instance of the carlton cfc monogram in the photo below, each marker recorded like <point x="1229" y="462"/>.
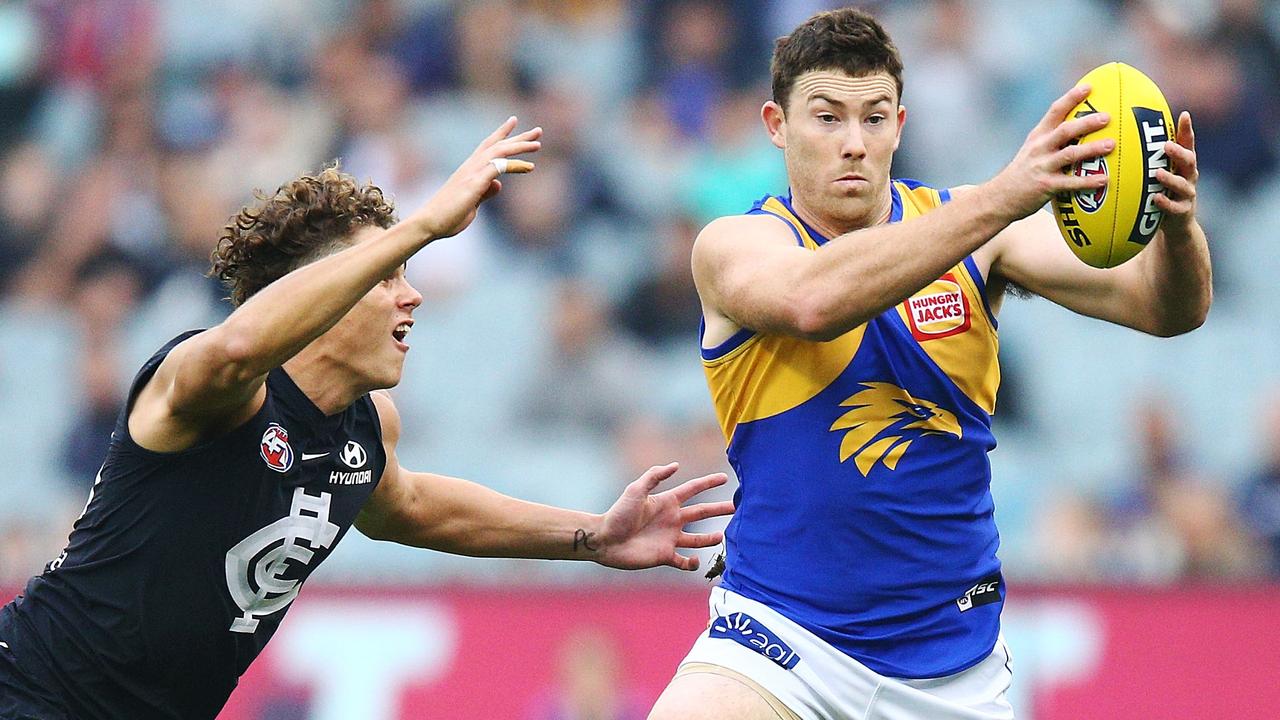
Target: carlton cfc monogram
<point x="256" y="565"/>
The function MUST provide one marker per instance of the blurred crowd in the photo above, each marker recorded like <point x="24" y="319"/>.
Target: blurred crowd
<point x="555" y="356"/>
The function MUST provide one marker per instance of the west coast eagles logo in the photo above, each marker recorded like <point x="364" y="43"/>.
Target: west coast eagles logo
<point x="884" y="421"/>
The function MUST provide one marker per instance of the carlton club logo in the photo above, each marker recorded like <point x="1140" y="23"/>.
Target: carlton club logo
<point x="1090" y="201"/>
<point x="884" y="421"/>
<point x="275" y="449"/>
<point x="265" y="570"/>
<point x="940" y="310"/>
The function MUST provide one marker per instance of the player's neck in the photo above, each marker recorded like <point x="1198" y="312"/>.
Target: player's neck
<point x="331" y="387"/>
<point x="831" y="227"/>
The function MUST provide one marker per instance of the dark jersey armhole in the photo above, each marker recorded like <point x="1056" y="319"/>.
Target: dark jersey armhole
<point x="145" y="373"/>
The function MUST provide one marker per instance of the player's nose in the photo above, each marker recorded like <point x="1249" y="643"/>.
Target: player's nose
<point x="853" y="146"/>
<point x="409" y="296"/>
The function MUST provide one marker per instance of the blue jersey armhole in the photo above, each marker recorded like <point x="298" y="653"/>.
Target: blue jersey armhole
<point x="734" y="342"/>
<point x="981" y="284"/>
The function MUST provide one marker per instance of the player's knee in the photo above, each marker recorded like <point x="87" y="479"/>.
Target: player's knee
<point x="707" y="696"/>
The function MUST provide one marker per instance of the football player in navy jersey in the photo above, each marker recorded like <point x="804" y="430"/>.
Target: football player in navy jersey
<point x="850" y="347"/>
<point x="247" y="450"/>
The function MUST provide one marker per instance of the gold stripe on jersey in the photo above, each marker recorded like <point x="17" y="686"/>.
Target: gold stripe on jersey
<point x="770" y="374"/>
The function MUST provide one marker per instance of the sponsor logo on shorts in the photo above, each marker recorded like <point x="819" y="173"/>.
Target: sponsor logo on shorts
<point x="984" y="593"/>
<point x="275" y="449"/>
<point x="751" y="633"/>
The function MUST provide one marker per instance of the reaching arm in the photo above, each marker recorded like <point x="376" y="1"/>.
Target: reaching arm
<point x="461" y="517"/>
<point x="1166" y="290"/>
<point x="750" y="273"/>
<point x="214" y="380"/>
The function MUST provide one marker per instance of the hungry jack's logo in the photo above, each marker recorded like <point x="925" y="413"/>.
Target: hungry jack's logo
<point x="882" y="423"/>
<point x="940" y="310"/>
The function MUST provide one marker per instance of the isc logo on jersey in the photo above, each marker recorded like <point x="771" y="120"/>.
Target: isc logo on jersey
<point x="940" y="310"/>
<point x="275" y="449"/>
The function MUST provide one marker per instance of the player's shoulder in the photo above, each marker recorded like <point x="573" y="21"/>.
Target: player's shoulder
<point x="749" y="228"/>
<point x="388" y="415"/>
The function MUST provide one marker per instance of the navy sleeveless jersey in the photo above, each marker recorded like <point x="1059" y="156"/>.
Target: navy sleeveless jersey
<point x="183" y="564"/>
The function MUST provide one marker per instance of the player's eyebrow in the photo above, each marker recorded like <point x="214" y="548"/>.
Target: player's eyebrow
<point x="826" y="98"/>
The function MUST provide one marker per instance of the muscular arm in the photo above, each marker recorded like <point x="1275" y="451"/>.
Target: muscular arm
<point x="1165" y="290"/>
<point x="750" y="274"/>
<point x="461" y="517"/>
<point x="214" y="380"/>
<point x="750" y="269"/>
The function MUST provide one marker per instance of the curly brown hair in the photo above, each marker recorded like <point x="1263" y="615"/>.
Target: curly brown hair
<point x="848" y="39"/>
<point x="307" y="218"/>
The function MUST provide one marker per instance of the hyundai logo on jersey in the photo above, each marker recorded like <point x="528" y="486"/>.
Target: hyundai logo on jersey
<point x="746" y="630"/>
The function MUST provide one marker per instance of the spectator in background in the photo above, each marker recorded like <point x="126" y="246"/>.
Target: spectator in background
<point x="590" y="682"/>
<point x="1260" y="501"/>
<point x="590" y="379"/>
<point x="28" y="188"/>
<point x="107" y="290"/>
<point x="1205" y="68"/>
<point x="1173" y="523"/>
<point x="662" y="310"/>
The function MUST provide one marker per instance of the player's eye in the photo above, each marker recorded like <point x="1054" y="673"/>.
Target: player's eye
<point x="826" y="118"/>
<point x="876" y="119"/>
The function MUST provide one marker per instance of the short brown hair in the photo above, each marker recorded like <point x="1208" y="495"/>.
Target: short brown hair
<point x="848" y="39"/>
<point x="306" y="219"/>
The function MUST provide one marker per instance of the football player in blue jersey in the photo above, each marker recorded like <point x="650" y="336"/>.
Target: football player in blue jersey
<point x="247" y="450"/>
<point x="849" y="344"/>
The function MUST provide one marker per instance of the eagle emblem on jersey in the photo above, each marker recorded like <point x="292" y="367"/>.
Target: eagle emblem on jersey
<point x="884" y="420"/>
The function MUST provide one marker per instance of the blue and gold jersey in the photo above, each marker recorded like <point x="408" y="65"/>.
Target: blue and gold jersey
<point x="864" y="507"/>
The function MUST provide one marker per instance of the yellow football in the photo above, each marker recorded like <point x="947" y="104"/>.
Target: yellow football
<point x="1108" y="226"/>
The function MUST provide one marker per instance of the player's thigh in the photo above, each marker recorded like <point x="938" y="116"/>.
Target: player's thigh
<point x="707" y="692"/>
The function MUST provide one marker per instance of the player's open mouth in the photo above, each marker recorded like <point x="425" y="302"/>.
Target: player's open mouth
<point x="401" y="332"/>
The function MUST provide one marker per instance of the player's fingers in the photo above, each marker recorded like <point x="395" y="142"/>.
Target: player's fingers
<point x="495" y="187"/>
<point x="655" y="475"/>
<point x="1072" y="129"/>
<point x="503" y="130"/>
<point x="688" y="489"/>
<point x="1186" y="133"/>
<point x="1171" y="206"/>
<point x="1060" y="107"/>
<point x="699" y="540"/>
<point x="702" y="511"/>
<point x="1183" y="160"/>
<point x="681" y="562"/>
<point x="1075" y="183"/>
<point x="1072" y="154"/>
<point x="1178" y="187"/>
<point x="504" y="149"/>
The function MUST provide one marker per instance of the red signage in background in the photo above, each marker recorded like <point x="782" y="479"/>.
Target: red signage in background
<point x="501" y="654"/>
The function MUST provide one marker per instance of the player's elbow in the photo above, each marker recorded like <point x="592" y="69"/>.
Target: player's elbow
<point x="817" y="317"/>
<point x="1188" y="317"/>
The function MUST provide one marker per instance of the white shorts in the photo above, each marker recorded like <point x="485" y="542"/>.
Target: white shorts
<point x="818" y="682"/>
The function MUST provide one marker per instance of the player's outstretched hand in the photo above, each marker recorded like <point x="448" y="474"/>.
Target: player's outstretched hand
<point x="1036" y="173"/>
<point x="644" y="530"/>
<point x="454" y="205"/>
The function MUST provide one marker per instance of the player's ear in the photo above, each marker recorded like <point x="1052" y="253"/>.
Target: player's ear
<point x="902" y="120"/>
<point x="775" y="123"/>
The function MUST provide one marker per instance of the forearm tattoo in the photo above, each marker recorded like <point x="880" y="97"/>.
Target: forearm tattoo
<point x="584" y="539"/>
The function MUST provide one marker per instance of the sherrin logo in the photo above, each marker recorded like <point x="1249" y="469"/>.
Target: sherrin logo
<point x="275" y="449"/>
<point x="940" y="310"/>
